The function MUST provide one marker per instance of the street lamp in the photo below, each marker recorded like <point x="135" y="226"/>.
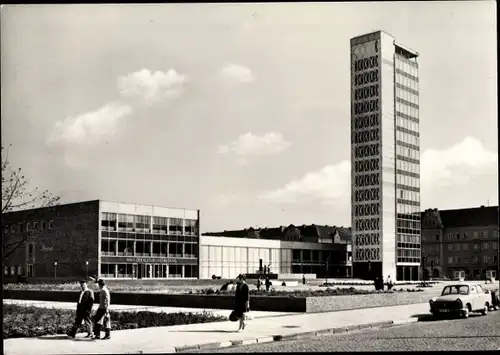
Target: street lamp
<point x="424" y="259"/>
<point x="326" y="267"/>
<point x="87" y="269"/>
<point x="55" y="270"/>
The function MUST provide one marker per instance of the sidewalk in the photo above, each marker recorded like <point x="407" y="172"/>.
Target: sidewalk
<point x="167" y="339"/>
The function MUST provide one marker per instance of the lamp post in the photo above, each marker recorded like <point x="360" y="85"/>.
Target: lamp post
<point x="424" y="259"/>
<point x="87" y="269"/>
<point x="326" y="267"/>
<point x="55" y="270"/>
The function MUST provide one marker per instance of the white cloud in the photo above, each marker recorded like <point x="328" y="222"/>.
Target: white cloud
<point x="152" y="87"/>
<point x="90" y="128"/>
<point x="248" y="145"/>
<point x="330" y="183"/>
<point x="458" y="164"/>
<point x="455" y="166"/>
<point x="239" y="72"/>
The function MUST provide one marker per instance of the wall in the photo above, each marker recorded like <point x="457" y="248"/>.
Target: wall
<point x="72" y="240"/>
<point x="464" y="259"/>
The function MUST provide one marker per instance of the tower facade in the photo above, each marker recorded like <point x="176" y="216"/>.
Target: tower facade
<point x="385" y="158"/>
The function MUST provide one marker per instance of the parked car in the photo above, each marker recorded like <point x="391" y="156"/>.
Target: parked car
<point x="462" y="299"/>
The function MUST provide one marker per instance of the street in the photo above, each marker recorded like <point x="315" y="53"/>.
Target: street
<point x="475" y="333"/>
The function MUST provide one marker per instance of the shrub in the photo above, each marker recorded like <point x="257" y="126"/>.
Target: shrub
<point x="28" y="321"/>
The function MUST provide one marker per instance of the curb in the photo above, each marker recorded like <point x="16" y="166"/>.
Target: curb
<point x="293" y="336"/>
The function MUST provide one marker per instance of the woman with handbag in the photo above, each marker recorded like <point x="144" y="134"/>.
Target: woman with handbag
<point x="241" y="301"/>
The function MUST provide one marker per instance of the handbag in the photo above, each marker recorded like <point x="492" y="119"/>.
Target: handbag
<point x="233" y="317"/>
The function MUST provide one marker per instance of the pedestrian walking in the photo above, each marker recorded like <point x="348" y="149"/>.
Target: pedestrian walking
<point x="241" y="301"/>
<point x="259" y="283"/>
<point x="83" y="310"/>
<point x="102" y="316"/>
<point x="303" y="279"/>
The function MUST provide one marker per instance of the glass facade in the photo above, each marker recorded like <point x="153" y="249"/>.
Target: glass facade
<point x="142" y="246"/>
<point x="228" y="257"/>
<point x="230" y="261"/>
<point x="407" y="159"/>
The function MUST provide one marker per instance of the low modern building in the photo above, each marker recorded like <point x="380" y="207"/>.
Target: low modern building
<point x="461" y="240"/>
<point x="321" y="250"/>
<point x="108" y="239"/>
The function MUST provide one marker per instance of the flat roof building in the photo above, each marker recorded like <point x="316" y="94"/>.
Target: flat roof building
<point x="385" y="158"/>
<point x="107" y="239"/>
<point x="324" y="251"/>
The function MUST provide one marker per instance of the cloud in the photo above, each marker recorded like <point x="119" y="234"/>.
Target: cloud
<point x="152" y="87"/>
<point x="458" y="164"/>
<point x="330" y="183"/>
<point x="454" y="166"/>
<point x="90" y="128"/>
<point x="239" y="72"/>
<point x="248" y="145"/>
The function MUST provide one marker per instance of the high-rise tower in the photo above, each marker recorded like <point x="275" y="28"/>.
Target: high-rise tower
<point x="385" y="158"/>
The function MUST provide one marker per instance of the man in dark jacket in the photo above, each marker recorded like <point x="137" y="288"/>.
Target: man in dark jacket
<point x="83" y="310"/>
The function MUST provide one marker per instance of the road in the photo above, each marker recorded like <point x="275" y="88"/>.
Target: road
<point x="475" y="333"/>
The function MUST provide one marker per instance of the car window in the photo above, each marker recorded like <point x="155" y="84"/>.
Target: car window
<point x="479" y="289"/>
<point x="455" y="290"/>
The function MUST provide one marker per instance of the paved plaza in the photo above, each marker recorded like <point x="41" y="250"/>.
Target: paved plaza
<point x="167" y="339"/>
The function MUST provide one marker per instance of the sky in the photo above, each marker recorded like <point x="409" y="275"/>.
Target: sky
<point x="239" y="110"/>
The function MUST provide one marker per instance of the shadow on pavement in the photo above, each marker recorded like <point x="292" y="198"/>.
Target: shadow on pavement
<point x="203" y="331"/>
<point x="427" y="317"/>
<point x="56" y="337"/>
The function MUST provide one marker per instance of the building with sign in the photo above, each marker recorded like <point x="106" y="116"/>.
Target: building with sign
<point x="108" y="239"/>
<point x="293" y="251"/>
<point x="385" y="158"/>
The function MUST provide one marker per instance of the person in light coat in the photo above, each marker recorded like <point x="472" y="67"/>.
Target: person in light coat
<point x="102" y="315"/>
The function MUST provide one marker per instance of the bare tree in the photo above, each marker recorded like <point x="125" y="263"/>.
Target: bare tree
<point x="19" y="194"/>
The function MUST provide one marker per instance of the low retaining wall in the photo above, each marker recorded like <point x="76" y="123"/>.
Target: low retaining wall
<point x="342" y="303"/>
<point x="257" y="303"/>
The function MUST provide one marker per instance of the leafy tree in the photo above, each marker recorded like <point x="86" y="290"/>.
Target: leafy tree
<point x="19" y="194"/>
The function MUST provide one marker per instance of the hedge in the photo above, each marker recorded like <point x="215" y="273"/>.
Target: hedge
<point x="201" y="291"/>
<point x="28" y="321"/>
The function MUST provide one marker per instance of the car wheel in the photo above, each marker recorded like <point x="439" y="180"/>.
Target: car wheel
<point x="485" y="309"/>
<point x="465" y="313"/>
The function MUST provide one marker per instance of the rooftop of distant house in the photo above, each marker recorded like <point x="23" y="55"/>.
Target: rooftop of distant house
<point x="463" y="217"/>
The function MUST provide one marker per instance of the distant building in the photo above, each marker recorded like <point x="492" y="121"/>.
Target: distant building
<point x="385" y="158"/>
<point x="107" y="239"/>
<point x="460" y="240"/>
<point x="306" y="249"/>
